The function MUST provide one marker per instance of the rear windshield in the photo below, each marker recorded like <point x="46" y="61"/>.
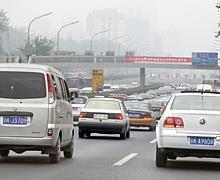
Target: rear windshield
<point x="207" y="103"/>
<point x="103" y="104"/>
<point x="79" y="100"/>
<point x="22" y="85"/>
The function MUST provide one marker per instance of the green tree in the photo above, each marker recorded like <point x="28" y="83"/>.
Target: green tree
<point x="4" y="23"/>
<point x="41" y="46"/>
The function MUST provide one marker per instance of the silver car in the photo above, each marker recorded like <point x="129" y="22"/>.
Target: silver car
<point x="35" y="111"/>
<point x="104" y="115"/>
<point x="190" y="126"/>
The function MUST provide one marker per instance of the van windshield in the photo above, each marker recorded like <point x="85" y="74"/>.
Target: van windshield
<point x="22" y="85"/>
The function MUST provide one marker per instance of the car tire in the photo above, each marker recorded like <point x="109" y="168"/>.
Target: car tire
<point x="151" y="128"/>
<point x="81" y="133"/>
<point x="123" y="135"/>
<point x="88" y="134"/>
<point x="171" y="156"/>
<point x="128" y="133"/>
<point x="161" y="158"/>
<point x="68" y="152"/>
<point x="4" y="153"/>
<point x="55" y="157"/>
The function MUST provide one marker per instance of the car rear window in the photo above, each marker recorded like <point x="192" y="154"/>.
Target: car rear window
<point x="79" y="100"/>
<point x="103" y="104"/>
<point x="22" y="85"/>
<point x="207" y="103"/>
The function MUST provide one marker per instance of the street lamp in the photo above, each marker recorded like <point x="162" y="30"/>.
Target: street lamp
<point x="29" y="29"/>
<point x="58" y="34"/>
<point x="119" y="46"/>
<point x="95" y="36"/>
<point x="113" y="39"/>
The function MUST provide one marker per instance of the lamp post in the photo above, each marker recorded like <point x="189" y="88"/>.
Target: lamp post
<point x="113" y="39"/>
<point x="119" y="46"/>
<point x="94" y="35"/>
<point x="29" y="29"/>
<point x="58" y="34"/>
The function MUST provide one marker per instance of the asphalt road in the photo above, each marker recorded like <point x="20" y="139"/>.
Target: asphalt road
<point x="99" y="158"/>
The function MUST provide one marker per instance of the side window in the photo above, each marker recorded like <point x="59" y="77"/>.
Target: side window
<point x="63" y="89"/>
<point x="66" y="89"/>
<point x="57" y="87"/>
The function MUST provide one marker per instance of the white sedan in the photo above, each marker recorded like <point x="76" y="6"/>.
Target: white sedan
<point x="190" y="126"/>
<point x="104" y="115"/>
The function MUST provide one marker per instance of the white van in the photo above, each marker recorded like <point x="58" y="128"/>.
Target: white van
<point x="35" y="111"/>
<point x="204" y="87"/>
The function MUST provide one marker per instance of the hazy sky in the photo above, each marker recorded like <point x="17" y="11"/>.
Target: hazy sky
<point x="185" y="25"/>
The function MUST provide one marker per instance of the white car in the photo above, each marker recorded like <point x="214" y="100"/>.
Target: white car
<point x="106" y="116"/>
<point x="204" y="87"/>
<point x="189" y="126"/>
<point x="77" y="104"/>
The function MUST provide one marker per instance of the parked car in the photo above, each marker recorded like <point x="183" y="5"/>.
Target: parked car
<point x="35" y="111"/>
<point x="104" y="115"/>
<point x="189" y="127"/>
<point x="77" y="104"/>
<point x="140" y="114"/>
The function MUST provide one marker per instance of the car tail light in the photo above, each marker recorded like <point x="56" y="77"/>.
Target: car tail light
<point x="173" y="122"/>
<point x="83" y="115"/>
<point x="119" y="116"/>
<point x="50" y="132"/>
<point x="51" y="92"/>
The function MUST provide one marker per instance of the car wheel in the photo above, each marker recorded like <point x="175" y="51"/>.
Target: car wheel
<point x="171" y="156"/>
<point x="68" y="152"/>
<point x="128" y="133"/>
<point x="161" y="158"/>
<point x="4" y="153"/>
<point x="81" y="133"/>
<point x="123" y="135"/>
<point x="151" y="128"/>
<point x="88" y="134"/>
<point x="55" y="157"/>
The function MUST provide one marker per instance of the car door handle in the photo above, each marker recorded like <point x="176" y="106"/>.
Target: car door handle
<point x="60" y="116"/>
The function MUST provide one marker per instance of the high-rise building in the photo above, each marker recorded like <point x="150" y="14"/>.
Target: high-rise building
<point x="100" y="20"/>
<point x="137" y="30"/>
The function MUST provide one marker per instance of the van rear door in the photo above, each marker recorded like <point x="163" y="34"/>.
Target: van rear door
<point x="23" y="104"/>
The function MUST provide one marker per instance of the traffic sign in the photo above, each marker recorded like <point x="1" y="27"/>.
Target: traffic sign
<point x="97" y="80"/>
<point x="205" y="58"/>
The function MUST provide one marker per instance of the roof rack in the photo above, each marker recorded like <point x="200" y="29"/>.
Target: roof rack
<point x="212" y="92"/>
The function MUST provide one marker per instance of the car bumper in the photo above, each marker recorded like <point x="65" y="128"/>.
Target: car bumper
<point x="108" y="128"/>
<point x="182" y="141"/>
<point x="141" y="122"/>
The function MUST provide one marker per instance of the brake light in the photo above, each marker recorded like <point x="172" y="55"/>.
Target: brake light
<point x="50" y="132"/>
<point x="173" y="122"/>
<point x="119" y="116"/>
<point x="51" y="93"/>
<point x="83" y="115"/>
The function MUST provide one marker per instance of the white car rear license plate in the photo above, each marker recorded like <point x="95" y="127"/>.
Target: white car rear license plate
<point x="15" y="120"/>
<point x="100" y="116"/>
<point x="209" y="141"/>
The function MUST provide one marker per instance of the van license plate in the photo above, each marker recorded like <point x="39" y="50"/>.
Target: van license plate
<point x="15" y="120"/>
<point x="202" y="141"/>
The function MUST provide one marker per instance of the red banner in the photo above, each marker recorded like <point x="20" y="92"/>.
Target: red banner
<point x="158" y="59"/>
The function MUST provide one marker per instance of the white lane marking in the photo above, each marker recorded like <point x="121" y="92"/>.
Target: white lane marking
<point x="125" y="159"/>
<point x="153" y="141"/>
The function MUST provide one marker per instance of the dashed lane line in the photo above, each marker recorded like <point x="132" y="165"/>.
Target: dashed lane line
<point x="125" y="159"/>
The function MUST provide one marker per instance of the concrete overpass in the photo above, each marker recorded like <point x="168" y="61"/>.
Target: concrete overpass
<point x="70" y="62"/>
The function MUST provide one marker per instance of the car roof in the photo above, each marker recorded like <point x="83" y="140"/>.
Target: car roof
<point x="197" y="93"/>
<point x="29" y="66"/>
<point x="105" y="99"/>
